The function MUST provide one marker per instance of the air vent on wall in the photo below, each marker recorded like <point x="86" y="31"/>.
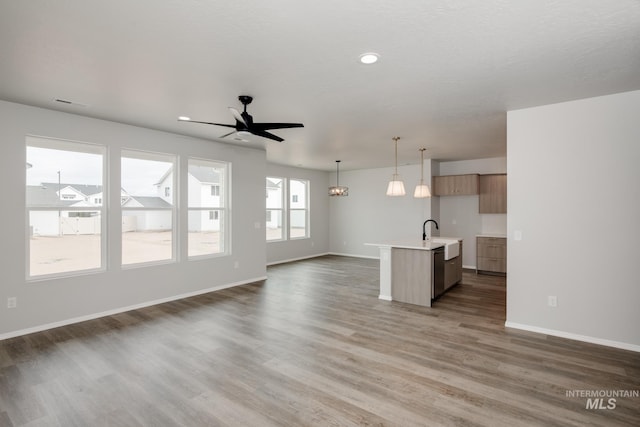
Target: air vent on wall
<point x="66" y="101"/>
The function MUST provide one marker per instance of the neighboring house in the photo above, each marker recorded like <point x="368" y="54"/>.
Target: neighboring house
<point x="57" y="221"/>
<point x="204" y="191"/>
<point x="145" y="220"/>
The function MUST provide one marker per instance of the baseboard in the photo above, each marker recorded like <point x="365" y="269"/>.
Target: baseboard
<point x="576" y="337"/>
<point x="297" y="259"/>
<point x="354" y="255"/>
<point x="79" y="319"/>
<point x="385" y="297"/>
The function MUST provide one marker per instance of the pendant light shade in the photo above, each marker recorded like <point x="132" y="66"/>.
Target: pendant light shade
<point x="338" y="190"/>
<point x="422" y="189"/>
<point x="396" y="186"/>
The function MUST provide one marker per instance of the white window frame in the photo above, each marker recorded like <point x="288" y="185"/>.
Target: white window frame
<point x="164" y="157"/>
<point x="294" y="199"/>
<point x="78" y="147"/>
<point x="223" y="212"/>
<point x="282" y="210"/>
<point x="287" y="209"/>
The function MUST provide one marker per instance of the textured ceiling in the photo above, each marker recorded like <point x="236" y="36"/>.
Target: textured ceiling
<point x="449" y="70"/>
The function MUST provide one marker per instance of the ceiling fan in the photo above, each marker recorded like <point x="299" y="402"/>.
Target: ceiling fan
<point x="244" y="123"/>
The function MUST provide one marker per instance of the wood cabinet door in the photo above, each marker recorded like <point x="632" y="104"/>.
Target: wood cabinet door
<point x="442" y="185"/>
<point x="466" y="184"/>
<point x="455" y="185"/>
<point x="493" y="193"/>
<point x="491" y="254"/>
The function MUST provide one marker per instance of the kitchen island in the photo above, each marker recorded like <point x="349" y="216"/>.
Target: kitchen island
<point x="413" y="271"/>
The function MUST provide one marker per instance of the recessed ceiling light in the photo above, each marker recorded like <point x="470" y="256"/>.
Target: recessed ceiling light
<point x="184" y="118"/>
<point x="369" y="58"/>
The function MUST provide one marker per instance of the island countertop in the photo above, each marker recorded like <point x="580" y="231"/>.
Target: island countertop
<point x="423" y="245"/>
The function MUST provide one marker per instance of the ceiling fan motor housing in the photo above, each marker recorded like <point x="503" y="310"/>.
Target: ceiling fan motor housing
<point x="246" y="100"/>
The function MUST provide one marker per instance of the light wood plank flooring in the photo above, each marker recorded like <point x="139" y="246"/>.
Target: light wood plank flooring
<point x="312" y="346"/>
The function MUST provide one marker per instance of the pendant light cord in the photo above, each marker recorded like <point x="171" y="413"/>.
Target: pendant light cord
<point x="396" y="138"/>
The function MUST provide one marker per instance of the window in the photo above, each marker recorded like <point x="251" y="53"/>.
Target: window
<point x="275" y="209"/>
<point x="64" y="226"/>
<point x="147" y="216"/>
<point x="298" y="209"/>
<point x="295" y="213"/>
<point x="208" y="201"/>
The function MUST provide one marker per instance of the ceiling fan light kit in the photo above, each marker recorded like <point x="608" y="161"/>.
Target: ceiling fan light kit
<point x="422" y="190"/>
<point x="396" y="186"/>
<point x="245" y="126"/>
<point x="338" y="190"/>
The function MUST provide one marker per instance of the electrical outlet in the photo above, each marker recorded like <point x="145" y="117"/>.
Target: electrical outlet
<point x="552" y="301"/>
<point x="517" y="235"/>
<point x="12" y="302"/>
<point x="236" y="264"/>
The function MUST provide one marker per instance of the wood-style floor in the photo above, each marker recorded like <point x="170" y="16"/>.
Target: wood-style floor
<point x="312" y="345"/>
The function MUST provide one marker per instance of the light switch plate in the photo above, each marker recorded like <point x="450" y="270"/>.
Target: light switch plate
<point x="517" y="235"/>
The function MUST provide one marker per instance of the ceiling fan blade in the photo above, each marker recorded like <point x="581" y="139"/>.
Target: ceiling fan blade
<point x="266" y="126"/>
<point x="265" y="134"/>
<point x="227" y="134"/>
<point x="209" y="123"/>
<point x="236" y="114"/>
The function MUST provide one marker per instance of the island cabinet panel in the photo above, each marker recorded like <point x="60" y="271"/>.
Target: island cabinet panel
<point x="453" y="270"/>
<point x="493" y="193"/>
<point x="455" y="185"/>
<point x="450" y="272"/>
<point x="411" y="276"/>
<point x="491" y="254"/>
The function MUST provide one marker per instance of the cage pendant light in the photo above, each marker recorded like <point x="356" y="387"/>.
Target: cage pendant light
<point x="396" y="186"/>
<point x="338" y="190"/>
<point x="422" y="189"/>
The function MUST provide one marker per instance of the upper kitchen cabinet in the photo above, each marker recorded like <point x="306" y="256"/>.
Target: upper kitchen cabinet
<point x="455" y="185"/>
<point x="493" y="193"/>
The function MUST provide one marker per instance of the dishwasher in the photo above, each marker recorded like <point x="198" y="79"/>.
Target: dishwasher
<point x="437" y="273"/>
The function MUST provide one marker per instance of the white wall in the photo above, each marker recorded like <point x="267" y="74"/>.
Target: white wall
<point x="459" y="216"/>
<point x="54" y="301"/>
<point x="573" y="175"/>
<point x="368" y="215"/>
<point x="318" y="242"/>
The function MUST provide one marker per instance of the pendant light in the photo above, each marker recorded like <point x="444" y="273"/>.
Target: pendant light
<point x="422" y="189"/>
<point x="396" y="186"/>
<point x="338" y="190"/>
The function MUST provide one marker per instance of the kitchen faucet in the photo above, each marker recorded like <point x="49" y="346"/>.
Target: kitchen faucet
<point x="424" y="225"/>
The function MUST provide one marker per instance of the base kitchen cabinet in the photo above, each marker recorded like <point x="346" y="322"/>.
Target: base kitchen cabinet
<point x="453" y="270"/>
<point x="491" y="253"/>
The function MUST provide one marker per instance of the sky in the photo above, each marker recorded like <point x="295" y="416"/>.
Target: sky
<point x="86" y="168"/>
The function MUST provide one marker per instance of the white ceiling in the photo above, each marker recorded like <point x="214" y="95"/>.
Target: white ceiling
<point x="449" y="70"/>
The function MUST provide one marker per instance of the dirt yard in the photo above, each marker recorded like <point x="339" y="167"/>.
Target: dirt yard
<point x="51" y="255"/>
